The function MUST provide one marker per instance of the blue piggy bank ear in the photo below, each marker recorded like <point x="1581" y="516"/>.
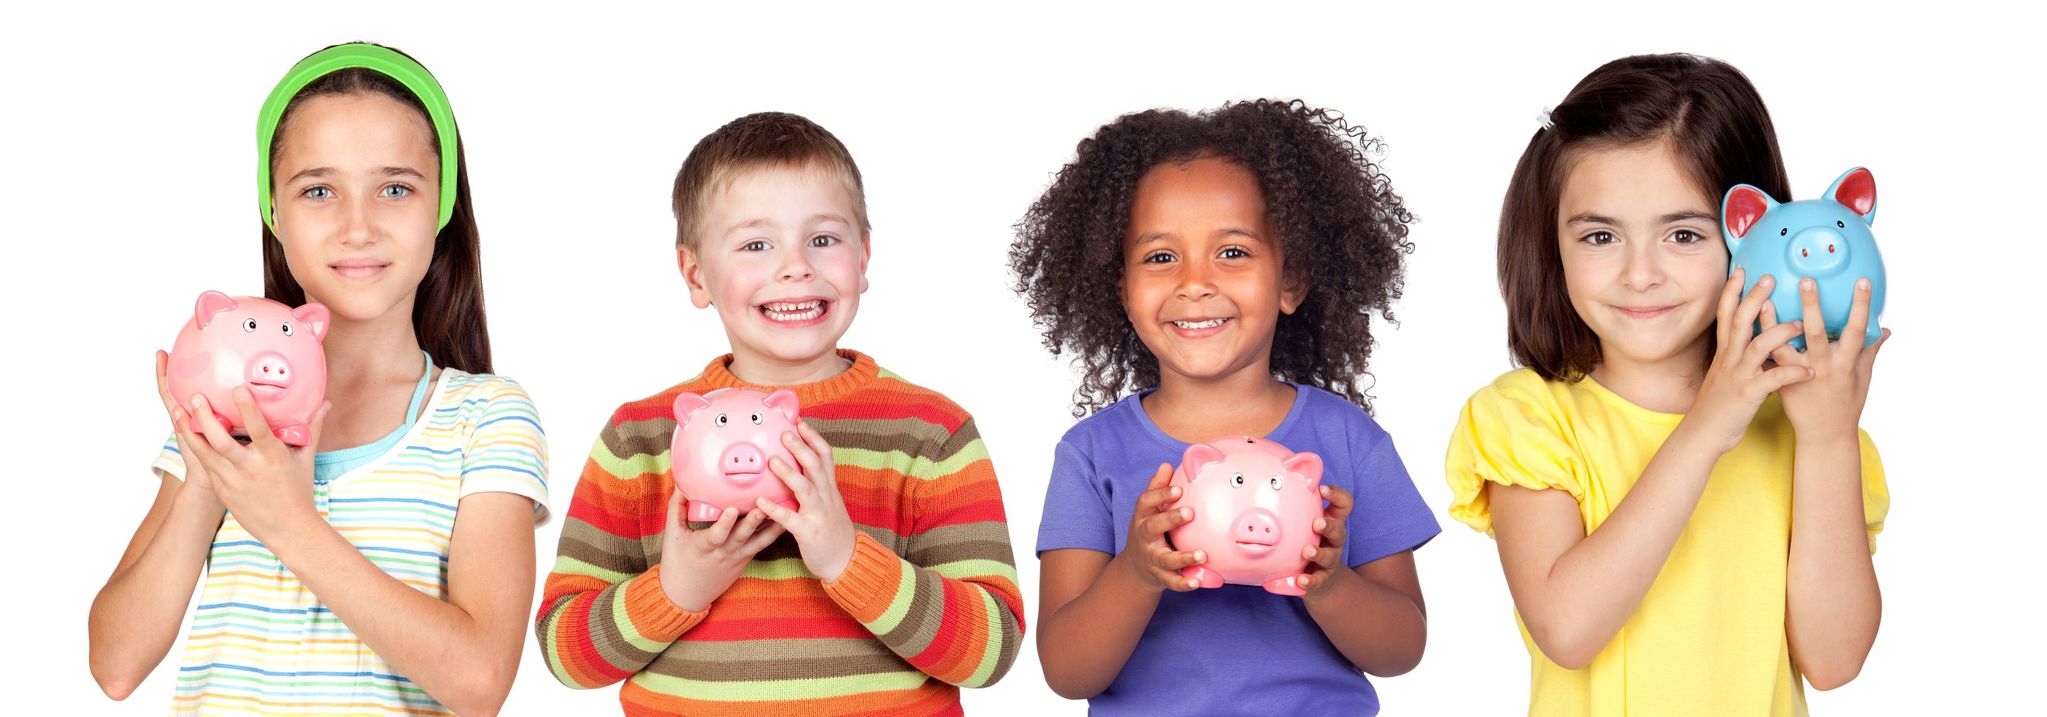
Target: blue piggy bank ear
<point x="1743" y="206"/>
<point x="1856" y="190"/>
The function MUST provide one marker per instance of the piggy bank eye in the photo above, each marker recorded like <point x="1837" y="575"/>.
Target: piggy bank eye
<point x="1786" y="231"/>
<point x="1841" y="224"/>
<point x="287" y="329"/>
<point x="1275" y="483"/>
<point x="756" y="419"/>
<point x="720" y="420"/>
<point x="249" y="324"/>
<point x="1236" y="479"/>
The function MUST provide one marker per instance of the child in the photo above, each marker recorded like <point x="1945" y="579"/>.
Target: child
<point x="899" y="586"/>
<point x="1686" y="528"/>
<point x="389" y="572"/>
<point x="1226" y="265"/>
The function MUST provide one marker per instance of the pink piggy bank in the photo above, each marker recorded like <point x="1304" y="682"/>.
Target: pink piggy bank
<point x="1255" y="505"/>
<point x="723" y="440"/>
<point x="272" y="348"/>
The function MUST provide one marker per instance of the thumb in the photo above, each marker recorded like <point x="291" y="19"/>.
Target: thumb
<point x="678" y="522"/>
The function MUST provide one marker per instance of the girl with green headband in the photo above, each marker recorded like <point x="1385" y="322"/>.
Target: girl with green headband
<point x="388" y="567"/>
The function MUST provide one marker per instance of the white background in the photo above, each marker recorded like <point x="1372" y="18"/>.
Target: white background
<point x="126" y="183"/>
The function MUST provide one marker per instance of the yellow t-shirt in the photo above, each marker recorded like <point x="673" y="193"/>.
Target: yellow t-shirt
<point x="1708" y="638"/>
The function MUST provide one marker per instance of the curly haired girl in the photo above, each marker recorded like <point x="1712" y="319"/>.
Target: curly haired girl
<point x="1222" y="269"/>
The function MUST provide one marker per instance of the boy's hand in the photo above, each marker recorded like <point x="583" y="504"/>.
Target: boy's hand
<point x="1325" y="561"/>
<point x="699" y="565"/>
<point x="1146" y="552"/>
<point x="823" y="530"/>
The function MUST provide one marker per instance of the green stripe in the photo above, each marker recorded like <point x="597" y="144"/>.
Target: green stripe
<point x="570" y="566"/>
<point x="899" y="603"/>
<point x="628" y="468"/>
<point x="967" y="569"/>
<point x="767" y="690"/>
<point x="991" y="650"/>
<point x="894" y="460"/>
<point x="781" y="569"/>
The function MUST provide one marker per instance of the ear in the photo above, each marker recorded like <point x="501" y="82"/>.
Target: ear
<point x="866" y="253"/>
<point x="1293" y="289"/>
<point x="693" y="277"/>
<point x="314" y="316"/>
<point x="688" y="403"/>
<point x="1308" y="465"/>
<point x="1198" y="455"/>
<point x="1857" y="191"/>
<point x="1743" y="206"/>
<point x="210" y="303"/>
<point x="783" y="400"/>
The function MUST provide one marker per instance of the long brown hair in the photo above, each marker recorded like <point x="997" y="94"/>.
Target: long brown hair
<point x="447" y="310"/>
<point x="1714" y="119"/>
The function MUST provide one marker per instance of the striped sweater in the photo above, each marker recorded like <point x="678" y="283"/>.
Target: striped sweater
<point x="928" y="604"/>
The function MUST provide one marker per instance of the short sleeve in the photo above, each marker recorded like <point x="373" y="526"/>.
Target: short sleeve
<point x="1076" y="515"/>
<point x="1510" y="436"/>
<point x="1388" y="514"/>
<point x="507" y="451"/>
<point x="1876" y="494"/>
<point x="169" y="461"/>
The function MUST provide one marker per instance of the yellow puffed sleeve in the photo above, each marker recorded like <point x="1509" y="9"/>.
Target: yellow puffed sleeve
<point x="1876" y="494"/>
<point x="1511" y="433"/>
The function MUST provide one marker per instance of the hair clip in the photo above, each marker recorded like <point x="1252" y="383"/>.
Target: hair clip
<point x="1545" y="120"/>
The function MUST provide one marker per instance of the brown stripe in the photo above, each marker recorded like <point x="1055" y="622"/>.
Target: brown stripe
<point x="920" y="625"/>
<point x="585" y="542"/>
<point x="927" y="555"/>
<point x="907" y="435"/>
<point x="761" y="660"/>
<point x="637" y="438"/>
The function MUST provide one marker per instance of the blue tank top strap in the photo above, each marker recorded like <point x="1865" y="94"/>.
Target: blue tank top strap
<point x="328" y="465"/>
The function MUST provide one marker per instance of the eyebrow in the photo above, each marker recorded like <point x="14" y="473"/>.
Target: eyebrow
<point x="1671" y="218"/>
<point x="319" y="172"/>
<point x="1231" y="231"/>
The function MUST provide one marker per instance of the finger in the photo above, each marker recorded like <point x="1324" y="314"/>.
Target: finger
<point x="1858" y="321"/>
<point x="1176" y="582"/>
<point x="818" y="447"/>
<point x="804" y="490"/>
<point x="1751" y="307"/>
<point x="1730" y="296"/>
<point x="775" y="511"/>
<point x="1332" y="529"/>
<point x="747" y="526"/>
<point x="677" y="522"/>
<point x="1782" y="376"/>
<point x="1767" y="343"/>
<point x="806" y="457"/>
<point x="1157" y="525"/>
<point x="762" y="539"/>
<point x="163" y="381"/>
<point x="1325" y="556"/>
<point x="252" y="419"/>
<point x="1784" y="355"/>
<point x="1815" y="322"/>
<point x="722" y="527"/>
<point x="1867" y="361"/>
<point x="1154" y="500"/>
<point x="1340" y="503"/>
<point x="195" y="447"/>
<point x="1175" y="560"/>
<point x="209" y="426"/>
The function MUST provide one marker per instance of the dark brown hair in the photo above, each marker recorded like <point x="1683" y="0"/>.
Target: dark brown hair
<point x="447" y="309"/>
<point x="759" y="139"/>
<point x="1343" y="229"/>
<point x="1716" y="123"/>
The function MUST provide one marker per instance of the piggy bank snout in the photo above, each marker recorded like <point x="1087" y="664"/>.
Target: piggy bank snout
<point x="1256" y="526"/>
<point x="270" y="369"/>
<point x="1818" y="251"/>
<point x="742" y="458"/>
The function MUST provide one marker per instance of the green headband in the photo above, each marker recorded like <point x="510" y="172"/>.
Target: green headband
<point x="377" y="58"/>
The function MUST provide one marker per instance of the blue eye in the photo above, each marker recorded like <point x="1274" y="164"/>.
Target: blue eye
<point x="396" y="191"/>
<point x="318" y="193"/>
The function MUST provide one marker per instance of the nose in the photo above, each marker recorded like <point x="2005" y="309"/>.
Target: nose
<point x="795" y="265"/>
<point x="1256" y="525"/>
<point x="1818" y="251"/>
<point x="270" y="369"/>
<point x="742" y="458"/>
<point x="356" y="227"/>
<point x="1194" y="282"/>
<point x="1644" y="268"/>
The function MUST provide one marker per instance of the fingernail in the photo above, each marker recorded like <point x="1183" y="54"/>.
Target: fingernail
<point x="1807" y="284"/>
<point x="1200" y="556"/>
<point x="1174" y="492"/>
<point x="1187" y="513"/>
<point x="1861" y="284"/>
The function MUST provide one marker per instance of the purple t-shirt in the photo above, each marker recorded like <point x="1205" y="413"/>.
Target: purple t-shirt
<point x="1236" y="649"/>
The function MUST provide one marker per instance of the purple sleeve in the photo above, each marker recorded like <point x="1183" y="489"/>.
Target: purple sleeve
<point x="1390" y="515"/>
<point x="1076" y="513"/>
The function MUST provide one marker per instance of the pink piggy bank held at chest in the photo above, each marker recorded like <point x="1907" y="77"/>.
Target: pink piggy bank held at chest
<point x="723" y="441"/>
<point x="250" y="341"/>
<point x="1255" y="505"/>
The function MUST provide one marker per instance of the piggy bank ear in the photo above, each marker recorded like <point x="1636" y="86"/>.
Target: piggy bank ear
<point x="1856" y="190"/>
<point x="1198" y="455"/>
<point x="210" y="303"/>
<point x="688" y="403"/>
<point x="1308" y="465"/>
<point x="1743" y="206"/>
<point x="783" y="400"/>
<point x="314" y="316"/>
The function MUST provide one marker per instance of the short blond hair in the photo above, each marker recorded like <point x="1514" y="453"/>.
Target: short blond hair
<point x="760" y="139"/>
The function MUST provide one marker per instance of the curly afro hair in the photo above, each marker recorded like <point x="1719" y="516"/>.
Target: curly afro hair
<point x="1344" y="231"/>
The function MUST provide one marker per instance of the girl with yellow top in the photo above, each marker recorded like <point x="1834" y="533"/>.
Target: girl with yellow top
<point x="1684" y="506"/>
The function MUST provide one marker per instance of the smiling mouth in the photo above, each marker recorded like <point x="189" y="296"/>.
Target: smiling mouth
<point x="1197" y="328"/>
<point x="1644" y="312"/>
<point x="798" y="313"/>
<point x="359" y="271"/>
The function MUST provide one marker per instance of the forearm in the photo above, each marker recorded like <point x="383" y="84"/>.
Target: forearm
<point x="450" y="653"/>
<point x="1576" y="607"/>
<point x="134" y="619"/>
<point x="1832" y="602"/>
<point x="961" y="630"/>
<point x="1379" y="629"/>
<point x="1085" y="642"/>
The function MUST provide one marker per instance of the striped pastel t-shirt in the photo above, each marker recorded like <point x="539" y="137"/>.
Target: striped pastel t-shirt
<point x="261" y="642"/>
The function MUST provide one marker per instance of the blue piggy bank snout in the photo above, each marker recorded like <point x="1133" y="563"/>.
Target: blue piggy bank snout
<point x="1817" y="251"/>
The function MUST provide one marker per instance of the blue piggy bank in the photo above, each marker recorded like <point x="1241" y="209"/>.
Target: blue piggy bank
<point x="1826" y="239"/>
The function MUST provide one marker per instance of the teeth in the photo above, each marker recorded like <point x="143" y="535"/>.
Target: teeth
<point x="1192" y="325"/>
<point x="794" y="311"/>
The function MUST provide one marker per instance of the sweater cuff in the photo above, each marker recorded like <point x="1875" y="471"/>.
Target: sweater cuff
<point x="653" y="615"/>
<point x="871" y="581"/>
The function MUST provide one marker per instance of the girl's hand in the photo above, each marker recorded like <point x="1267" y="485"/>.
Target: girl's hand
<point x="1146" y="552"/>
<point x="195" y="474"/>
<point x="1739" y="378"/>
<point x="267" y="485"/>
<point x="1829" y="406"/>
<point x="699" y="565"/>
<point x="1325" y="561"/>
<point x="823" y="530"/>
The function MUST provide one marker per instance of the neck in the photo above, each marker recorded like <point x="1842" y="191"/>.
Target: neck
<point x="361" y="353"/>
<point x="764" y="370"/>
<point x="1248" y="401"/>
<point x="1666" y="385"/>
